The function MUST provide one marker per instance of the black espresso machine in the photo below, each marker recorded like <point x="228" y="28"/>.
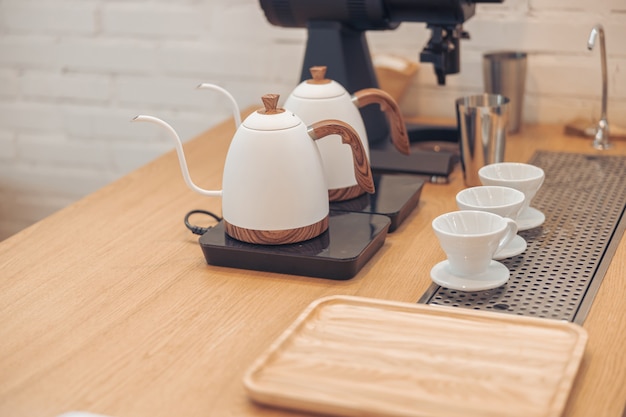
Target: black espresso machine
<point x="336" y="38"/>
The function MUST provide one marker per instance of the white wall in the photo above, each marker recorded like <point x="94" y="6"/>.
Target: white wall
<point x="74" y="72"/>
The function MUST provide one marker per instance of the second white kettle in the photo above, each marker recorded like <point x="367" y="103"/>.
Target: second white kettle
<point x="320" y="98"/>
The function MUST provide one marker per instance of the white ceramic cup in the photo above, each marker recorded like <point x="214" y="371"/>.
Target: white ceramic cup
<point x="471" y="238"/>
<point x="523" y="177"/>
<point x="503" y="201"/>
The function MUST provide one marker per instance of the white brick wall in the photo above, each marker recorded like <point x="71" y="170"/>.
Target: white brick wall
<point x="74" y="72"/>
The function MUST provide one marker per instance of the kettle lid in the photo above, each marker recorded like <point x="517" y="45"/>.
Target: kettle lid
<point x="271" y="117"/>
<point x="319" y="86"/>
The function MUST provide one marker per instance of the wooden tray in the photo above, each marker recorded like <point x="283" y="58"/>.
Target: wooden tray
<point x="355" y="356"/>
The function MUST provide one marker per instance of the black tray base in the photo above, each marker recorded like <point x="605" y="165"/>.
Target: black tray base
<point x="339" y="253"/>
<point x="434" y="152"/>
<point x="396" y="196"/>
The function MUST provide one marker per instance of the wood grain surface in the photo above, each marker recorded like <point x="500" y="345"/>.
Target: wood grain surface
<point x="318" y="75"/>
<point x="108" y="305"/>
<point x="277" y="237"/>
<point x="354" y="356"/>
<point x="397" y="125"/>
<point x="345" y="193"/>
<point x="362" y="171"/>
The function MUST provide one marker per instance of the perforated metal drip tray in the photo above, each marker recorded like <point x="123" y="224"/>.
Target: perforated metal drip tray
<point x="584" y="199"/>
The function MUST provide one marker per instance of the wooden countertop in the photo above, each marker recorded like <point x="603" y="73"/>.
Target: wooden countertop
<point x="108" y="306"/>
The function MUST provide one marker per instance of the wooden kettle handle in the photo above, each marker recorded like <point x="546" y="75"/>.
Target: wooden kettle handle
<point x="349" y="136"/>
<point x="399" y="136"/>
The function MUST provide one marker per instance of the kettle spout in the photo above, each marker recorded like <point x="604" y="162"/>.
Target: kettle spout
<point x="233" y="102"/>
<point x="180" y="152"/>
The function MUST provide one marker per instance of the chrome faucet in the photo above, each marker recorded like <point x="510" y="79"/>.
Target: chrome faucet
<point x="601" y="139"/>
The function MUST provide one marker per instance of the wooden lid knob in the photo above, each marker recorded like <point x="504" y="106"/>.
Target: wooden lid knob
<point x="270" y="101"/>
<point x="319" y="75"/>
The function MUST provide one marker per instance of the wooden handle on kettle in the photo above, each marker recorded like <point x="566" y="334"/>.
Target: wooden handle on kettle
<point x="399" y="136"/>
<point x="349" y="136"/>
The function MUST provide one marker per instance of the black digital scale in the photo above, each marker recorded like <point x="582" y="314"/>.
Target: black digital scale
<point x="339" y="253"/>
<point x="396" y="196"/>
<point x="357" y="229"/>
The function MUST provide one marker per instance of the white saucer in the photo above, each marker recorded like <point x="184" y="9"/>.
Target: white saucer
<point x="529" y="219"/>
<point x="496" y="275"/>
<point x="514" y="248"/>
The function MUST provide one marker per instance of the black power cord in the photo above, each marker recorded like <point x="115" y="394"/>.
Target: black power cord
<point x="198" y="230"/>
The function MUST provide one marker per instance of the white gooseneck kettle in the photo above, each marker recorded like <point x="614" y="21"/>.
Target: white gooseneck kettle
<point x="320" y="98"/>
<point x="274" y="188"/>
